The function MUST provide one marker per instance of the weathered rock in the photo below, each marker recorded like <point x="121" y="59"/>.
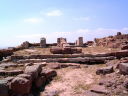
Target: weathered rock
<point x="125" y="84"/>
<point x="50" y="93"/>
<point x="28" y="64"/>
<point x="48" y="73"/>
<point x="112" y="41"/>
<point x="25" y="45"/>
<point x="5" y="53"/>
<point x="6" y="65"/>
<point x="27" y="76"/>
<point x="99" y="89"/>
<point x="15" y="57"/>
<point x="43" y="42"/>
<point x="9" y="80"/>
<point x="56" y="50"/>
<point x="21" y="85"/>
<point x="124" y="47"/>
<point x="105" y="70"/>
<point x="33" y="70"/>
<point x="123" y="68"/>
<point x="89" y="93"/>
<point x="10" y="73"/>
<point x="87" y="60"/>
<point x="56" y="65"/>
<point x="65" y="50"/>
<point x="40" y="81"/>
<point x="2" y="72"/>
<point x="13" y="72"/>
<point x="119" y="54"/>
<point x="3" y="88"/>
<point x="113" y="63"/>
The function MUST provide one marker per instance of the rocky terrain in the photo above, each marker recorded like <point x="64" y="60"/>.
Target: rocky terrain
<point x="64" y="69"/>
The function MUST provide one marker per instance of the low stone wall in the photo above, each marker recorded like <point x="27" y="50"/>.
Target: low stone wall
<point x="24" y="84"/>
<point x="65" y="50"/>
<point x="15" y="57"/>
<point x="113" y="41"/>
<point x="86" y="60"/>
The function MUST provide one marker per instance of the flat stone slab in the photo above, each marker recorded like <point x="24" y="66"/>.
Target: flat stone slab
<point x="99" y="89"/>
<point x="10" y="73"/>
<point x="105" y="70"/>
<point x="123" y="68"/>
<point x="89" y="93"/>
<point x="5" y="65"/>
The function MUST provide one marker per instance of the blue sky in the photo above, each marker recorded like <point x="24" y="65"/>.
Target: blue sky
<point x="29" y="20"/>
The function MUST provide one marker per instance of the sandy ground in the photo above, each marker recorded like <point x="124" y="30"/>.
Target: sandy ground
<point x="72" y="82"/>
<point x="46" y="51"/>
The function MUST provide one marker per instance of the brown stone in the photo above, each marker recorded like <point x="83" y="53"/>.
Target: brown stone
<point x="48" y="73"/>
<point x="33" y="70"/>
<point x="27" y="76"/>
<point x="125" y="84"/>
<point x="13" y="72"/>
<point x="123" y="68"/>
<point x="99" y="89"/>
<point x="56" y="50"/>
<point x="21" y="85"/>
<point x="3" y="88"/>
<point x="124" y="47"/>
<point x="10" y="73"/>
<point x="105" y="70"/>
<point x="40" y="81"/>
<point x="89" y="93"/>
<point x="25" y="45"/>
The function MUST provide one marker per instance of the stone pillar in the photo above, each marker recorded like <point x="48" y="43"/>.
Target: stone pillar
<point x="119" y="33"/>
<point x="43" y="42"/>
<point x="79" y="42"/>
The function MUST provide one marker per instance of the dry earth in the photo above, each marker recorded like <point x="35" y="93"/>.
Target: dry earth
<point x="46" y="51"/>
<point x="72" y="81"/>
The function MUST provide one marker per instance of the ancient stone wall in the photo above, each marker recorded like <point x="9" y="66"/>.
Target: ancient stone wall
<point x="112" y="41"/>
<point x="62" y="42"/>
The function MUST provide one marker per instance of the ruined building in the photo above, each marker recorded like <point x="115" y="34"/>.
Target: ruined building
<point x="116" y="41"/>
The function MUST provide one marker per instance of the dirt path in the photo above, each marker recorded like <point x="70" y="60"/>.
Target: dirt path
<point x="72" y="82"/>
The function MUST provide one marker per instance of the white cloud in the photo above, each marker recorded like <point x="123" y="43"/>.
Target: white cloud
<point x="33" y="20"/>
<point x="55" y="13"/>
<point x="88" y="34"/>
<point x="82" y="19"/>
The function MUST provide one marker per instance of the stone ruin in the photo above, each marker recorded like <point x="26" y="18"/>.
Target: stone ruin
<point x="24" y="82"/>
<point x="43" y="42"/>
<point x="117" y="41"/>
<point x="79" y="42"/>
<point x="32" y="74"/>
<point x="25" y="45"/>
<point x="64" y="48"/>
<point x="62" y="42"/>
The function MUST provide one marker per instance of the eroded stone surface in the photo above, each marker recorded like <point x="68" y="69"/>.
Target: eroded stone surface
<point x="21" y="85"/>
<point x="105" y="70"/>
<point x="123" y="67"/>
